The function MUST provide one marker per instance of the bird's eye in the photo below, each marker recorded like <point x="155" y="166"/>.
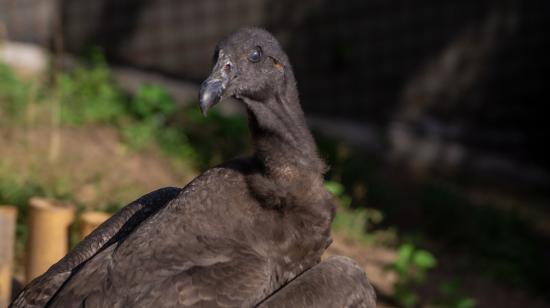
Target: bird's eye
<point x="255" y="55"/>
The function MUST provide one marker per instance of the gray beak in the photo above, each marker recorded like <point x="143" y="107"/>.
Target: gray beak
<point x="210" y="94"/>
<point x="213" y="88"/>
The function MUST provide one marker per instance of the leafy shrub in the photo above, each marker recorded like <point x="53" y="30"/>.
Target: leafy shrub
<point x="215" y="138"/>
<point x="152" y="101"/>
<point x="411" y="268"/>
<point x="150" y="109"/>
<point x="89" y="95"/>
<point x="353" y="222"/>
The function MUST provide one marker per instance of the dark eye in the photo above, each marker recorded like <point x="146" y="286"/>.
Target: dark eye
<point x="255" y="55"/>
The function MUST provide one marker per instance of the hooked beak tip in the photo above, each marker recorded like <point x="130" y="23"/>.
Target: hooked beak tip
<point x="210" y="94"/>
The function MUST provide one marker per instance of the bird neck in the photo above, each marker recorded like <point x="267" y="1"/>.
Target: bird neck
<point x="282" y="140"/>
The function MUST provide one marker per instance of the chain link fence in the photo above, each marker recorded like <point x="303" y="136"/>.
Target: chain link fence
<point x="466" y="72"/>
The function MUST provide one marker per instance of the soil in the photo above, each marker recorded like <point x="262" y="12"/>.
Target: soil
<point x="90" y="163"/>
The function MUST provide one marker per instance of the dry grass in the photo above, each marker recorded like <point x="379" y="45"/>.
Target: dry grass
<point x="92" y="166"/>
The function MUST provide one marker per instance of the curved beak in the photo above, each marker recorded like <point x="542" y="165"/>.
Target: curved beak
<point x="210" y="94"/>
<point x="213" y="88"/>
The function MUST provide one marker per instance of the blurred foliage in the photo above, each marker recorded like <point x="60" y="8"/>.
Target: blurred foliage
<point x="89" y="95"/>
<point x="152" y="101"/>
<point x="354" y="222"/>
<point x="411" y="268"/>
<point x="215" y="138"/>
<point x="14" y="93"/>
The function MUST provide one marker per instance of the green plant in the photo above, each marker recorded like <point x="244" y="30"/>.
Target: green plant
<point x="88" y="96"/>
<point x="14" y="92"/>
<point x="411" y="268"/>
<point x="152" y="101"/>
<point x="215" y="138"/>
<point x="352" y="222"/>
<point x="138" y="134"/>
<point x="150" y="109"/>
<point x="175" y="142"/>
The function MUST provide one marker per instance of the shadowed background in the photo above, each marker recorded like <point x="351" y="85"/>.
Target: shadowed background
<point x="430" y="113"/>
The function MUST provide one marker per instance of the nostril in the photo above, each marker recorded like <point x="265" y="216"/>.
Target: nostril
<point x="227" y="66"/>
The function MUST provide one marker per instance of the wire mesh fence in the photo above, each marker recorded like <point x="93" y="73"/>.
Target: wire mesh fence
<point x="468" y="71"/>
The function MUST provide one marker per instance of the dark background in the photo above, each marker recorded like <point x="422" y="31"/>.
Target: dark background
<point x="431" y="115"/>
<point x="471" y="72"/>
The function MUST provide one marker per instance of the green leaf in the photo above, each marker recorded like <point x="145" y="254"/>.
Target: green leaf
<point x="424" y="259"/>
<point x="334" y="188"/>
<point x="406" y="252"/>
<point x="403" y="261"/>
<point x="152" y="99"/>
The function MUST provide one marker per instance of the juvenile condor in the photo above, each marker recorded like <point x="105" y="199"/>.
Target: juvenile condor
<point x="247" y="233"/>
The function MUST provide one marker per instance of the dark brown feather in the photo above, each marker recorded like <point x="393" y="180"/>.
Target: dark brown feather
<point x="335" y="282"/>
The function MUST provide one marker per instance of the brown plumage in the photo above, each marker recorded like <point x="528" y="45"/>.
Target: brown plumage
<point x="237" y="234"/>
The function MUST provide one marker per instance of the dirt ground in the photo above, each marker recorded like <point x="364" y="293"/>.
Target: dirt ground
<point x="89" y="163"/>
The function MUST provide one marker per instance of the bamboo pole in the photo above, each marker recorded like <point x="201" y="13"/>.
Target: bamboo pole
<point x="8" y="221"/>
<point x="89" y="221"/>
<point x="48" y="240"/>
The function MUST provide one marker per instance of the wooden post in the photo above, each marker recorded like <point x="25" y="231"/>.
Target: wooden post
<point x="91" y="220"/>
<point x="48" y="241"/>
<point x="8" y="221"/>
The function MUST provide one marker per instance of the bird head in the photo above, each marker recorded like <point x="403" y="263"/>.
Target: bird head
<point x="247" y="64"/>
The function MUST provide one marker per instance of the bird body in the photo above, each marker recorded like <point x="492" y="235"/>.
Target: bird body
<point x="214" y="252"/>
<point x="233" y="236"/>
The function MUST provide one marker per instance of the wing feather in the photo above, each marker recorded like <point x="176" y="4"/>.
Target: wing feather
<point x="41" y="290"/>
<point x="335" y="282"/>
